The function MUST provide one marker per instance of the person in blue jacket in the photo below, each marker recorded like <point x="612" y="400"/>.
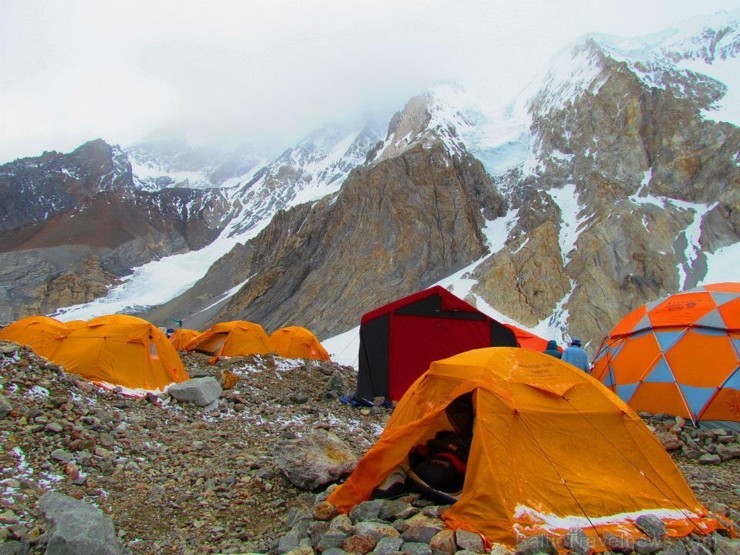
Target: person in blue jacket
<point x="576" y="356"/>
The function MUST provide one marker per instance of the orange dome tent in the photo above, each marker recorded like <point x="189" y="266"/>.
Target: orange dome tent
<point x="235" y="338"/>
<point x="181" y="337"/>
<point x="528" y="340"/>
<point x="33" y="331"/>
<point x="678" y="355"/>
<point x="297" y="342"/>
<point x="118" y="349"/>
<point x="552" y="449"/>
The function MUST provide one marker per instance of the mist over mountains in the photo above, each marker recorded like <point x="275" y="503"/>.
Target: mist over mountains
<point x="611" y="181"/>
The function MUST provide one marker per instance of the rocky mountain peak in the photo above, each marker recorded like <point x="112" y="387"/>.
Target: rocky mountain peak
<point x="426" y="119"/>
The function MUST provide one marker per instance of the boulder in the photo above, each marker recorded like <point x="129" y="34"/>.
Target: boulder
<point x="316" y="460"/>
<point x="76" y="528"/>
<point x="198" y="391"/>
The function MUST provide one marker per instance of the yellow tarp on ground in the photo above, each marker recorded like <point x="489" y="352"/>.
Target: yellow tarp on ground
<point x="552" y="449"/>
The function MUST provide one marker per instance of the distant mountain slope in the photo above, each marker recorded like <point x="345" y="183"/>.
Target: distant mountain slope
<point x="608" y="183"/>
<point x="618" y="184"/>
<point x="74" y="223"/>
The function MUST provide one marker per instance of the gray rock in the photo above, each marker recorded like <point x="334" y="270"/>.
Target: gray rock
<point x="76" y="528"/>
<point x="577" y="541"/>
<point x="651" y="525"/>
<point x="643" y="547"/>
<point x="726" y="546"/>
<point x="198" y="391"/>
<point x="5" y="407"/>
<point x="316" y="460"/>
<point x="332" y="538"/>
<point x="710" y="458"/>
<point x="416" y="548"/>
<point x="289" y="542"/>
<point x="388" y="544"/>
<point x="536" y="544"/>
<point x="421" y="533"/>
<point x="62" y="455"/>
<point x="368" y="510"/>
<point x="14" y="548"/>
<point x="335" y="551"/>
<point x="376" y="530"/>
<point x="469" y="541"/>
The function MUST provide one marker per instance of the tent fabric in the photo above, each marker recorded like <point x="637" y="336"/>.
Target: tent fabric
<point x="298" y="342"/>
<point x="529" y="340"/>
<point x="33" y="331"/>
<point x="235" y="338"/>
<point x="400" y="339"/>
<point x="119" y="349"/>
<point x="552" y="449"/>
<point x="181" y="337"/>
<point x="679" y="355"/>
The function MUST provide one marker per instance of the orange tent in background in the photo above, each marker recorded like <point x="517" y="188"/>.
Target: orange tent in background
<point x="552" y="449"/>
<point x="235" y="338"/>
<point x="181" y="337"/>
<point x="679" y="355"/>
<point x="33" y="331"/>
<point x="527" y="339"/>
<point x="118" y="349"/>
<point x="297" y="342"/>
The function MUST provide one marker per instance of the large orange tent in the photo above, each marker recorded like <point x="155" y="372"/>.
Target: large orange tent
<point x="679" y="355"/>
<point x="33" y="331"/>
<point x="552" y="449"/>
<point x="120" y="350"/>
<point x="235" y="338"/>
<point x="181" y="337"/>
<point x="297" y="342"/>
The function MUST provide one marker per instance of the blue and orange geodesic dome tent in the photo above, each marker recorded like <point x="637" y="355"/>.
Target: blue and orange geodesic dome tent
<point x="678" y="355"/>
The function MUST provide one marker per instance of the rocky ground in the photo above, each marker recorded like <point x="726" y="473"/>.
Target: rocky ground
<point x="178" y="478"/>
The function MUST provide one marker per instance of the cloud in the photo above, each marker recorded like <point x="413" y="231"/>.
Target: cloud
<point x="269" y="71"/>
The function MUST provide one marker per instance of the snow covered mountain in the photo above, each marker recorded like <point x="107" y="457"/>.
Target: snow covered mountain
<point x="612" y="180"/>
<point x="160" y="164"/>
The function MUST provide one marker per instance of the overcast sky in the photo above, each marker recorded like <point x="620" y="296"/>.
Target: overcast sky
<point x="267" y="72"/>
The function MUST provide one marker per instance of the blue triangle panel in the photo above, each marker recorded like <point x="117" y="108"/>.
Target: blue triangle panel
<point x="667" y="339"/>
<point x="609" y="378"/>
<point x="626" y="392"/>
<point x="643" y="324"/>
<point x="661" y="373"/>
<point x="651" y="305"/>
<point x="615" y="350"/>
<point x="720" y="298"/>
<point x="712" y="319"/>
<point x="696" y="397"/>
<point x="736" y="344"/>
<point x="733" y="382"/>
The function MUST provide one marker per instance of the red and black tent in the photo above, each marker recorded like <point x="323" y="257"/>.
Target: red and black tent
<point x="400" y="339"/>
